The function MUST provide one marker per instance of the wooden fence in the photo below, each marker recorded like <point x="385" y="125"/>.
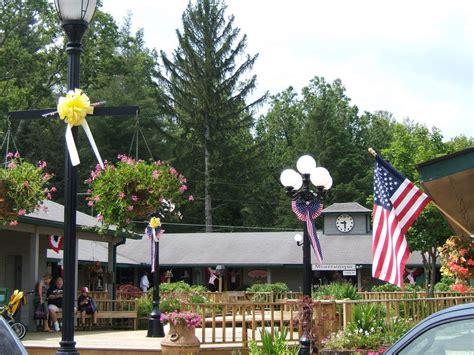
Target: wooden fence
<point x="407" y="294"/>
<point x="241" y="322"/>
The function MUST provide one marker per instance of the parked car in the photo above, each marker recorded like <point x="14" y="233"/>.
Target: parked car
<point x="450" y="331"/>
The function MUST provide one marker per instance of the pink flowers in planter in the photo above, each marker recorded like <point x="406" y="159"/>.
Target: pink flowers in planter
<point x="190" y="319"/>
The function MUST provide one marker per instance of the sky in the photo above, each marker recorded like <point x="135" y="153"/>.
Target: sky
<point x="414" y="59"/>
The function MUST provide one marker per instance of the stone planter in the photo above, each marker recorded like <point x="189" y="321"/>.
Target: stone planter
<point x="180" y="340"/>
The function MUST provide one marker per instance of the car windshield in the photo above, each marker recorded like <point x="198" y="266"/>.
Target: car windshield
<point x="454" y="338"/>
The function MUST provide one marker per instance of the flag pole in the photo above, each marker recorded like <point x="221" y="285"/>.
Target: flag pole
<point x="374" y="153"/>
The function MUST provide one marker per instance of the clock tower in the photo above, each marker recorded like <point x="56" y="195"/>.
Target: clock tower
<point x="349" y="218"/>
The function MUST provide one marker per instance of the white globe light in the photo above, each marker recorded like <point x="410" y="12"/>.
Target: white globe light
<point x="76" y="9"/>
<point x="329" y="184"/>
<point x="305" y="164"/>
<point x="289" y="178"/>
<point x="320" y="177"/>
<point x="298" y="238"/>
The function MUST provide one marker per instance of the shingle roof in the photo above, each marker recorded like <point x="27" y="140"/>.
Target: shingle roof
<point x="262" y="248"/>
<point x="345" y="207"/>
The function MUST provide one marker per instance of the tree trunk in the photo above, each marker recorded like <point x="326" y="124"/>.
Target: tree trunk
<point x="433" y="259"/>
<point x="426" y="267"/>
<point x="207" y="194"/>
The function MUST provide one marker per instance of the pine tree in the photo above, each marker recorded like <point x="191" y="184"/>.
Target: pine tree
<point x="206" y="95"/>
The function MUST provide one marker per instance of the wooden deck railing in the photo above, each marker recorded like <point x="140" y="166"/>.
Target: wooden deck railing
<point x="241" y="322"/>
<point x="407" y="294"/>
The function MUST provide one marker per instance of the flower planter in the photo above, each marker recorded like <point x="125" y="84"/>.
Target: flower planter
<point x="6" y="211"/>
<point x="180" y="340"/>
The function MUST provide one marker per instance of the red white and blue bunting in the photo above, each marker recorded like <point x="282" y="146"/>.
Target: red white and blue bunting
<point x="55" y="242"/>
<point x="308" y="211"/>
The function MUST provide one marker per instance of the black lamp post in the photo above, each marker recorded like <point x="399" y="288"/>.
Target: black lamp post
<point x="75" y="16"/>
<point x="298" y="188"/>
<point x="155" y="327"/>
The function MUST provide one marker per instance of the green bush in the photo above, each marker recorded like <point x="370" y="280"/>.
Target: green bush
<point x="276" y="287"/>
<point x="380" y="335"/>
<point x="170" y="305"/>
<point x="444" y="284"/>
<point x="144" y="305"/>
<point x="337" y="290"/>
<point x="368" y="316"/>
<point x="387" y="287"/>
<point x="273" y="345"/>
<point x="174" y="287"/>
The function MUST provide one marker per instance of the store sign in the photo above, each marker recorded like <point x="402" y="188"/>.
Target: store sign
<point x="257" y="274"/>
<point x="349" y="273"/>
<point x="334" y="267"/>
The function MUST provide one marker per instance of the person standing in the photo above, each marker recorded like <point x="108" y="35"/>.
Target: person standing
<point x="41" y="298"/>
<point x="144" y="282"/>
<point x="55" y="301"/>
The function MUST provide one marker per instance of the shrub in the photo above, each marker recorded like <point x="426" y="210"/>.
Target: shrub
<point x="170" y="305"/>
<point x="444" y="285"/>
<point x="387" y="287"/>
<point x="173" y="287"/>
<point x="275" y="287"/>
<point x="145" y="306"/>
<point x="337" y="290"/>
<point x="273" y="345"/>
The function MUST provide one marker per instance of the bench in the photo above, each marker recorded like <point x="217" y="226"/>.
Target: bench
<point x="110" y="310"/>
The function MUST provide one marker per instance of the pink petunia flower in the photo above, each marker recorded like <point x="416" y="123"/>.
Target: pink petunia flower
<point x="21" y="212"/>
<point x="191" y="198"/>
<point x="155" y="174"/>
<point x="134" y="198"/>
<point x="130" y="208"/>
<point x="183" y="188"/>
<point x="100" y="218"/>
<point x="13" y="223"/>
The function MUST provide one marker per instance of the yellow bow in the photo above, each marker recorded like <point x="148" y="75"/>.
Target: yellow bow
<point x="74" y="107"/>
<point x="154" y="222"/>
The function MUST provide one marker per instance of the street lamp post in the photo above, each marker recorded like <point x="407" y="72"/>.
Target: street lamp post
<point x="75" y="18"/>
<point x="297" y="185"/>
<point x="155" y="327"/>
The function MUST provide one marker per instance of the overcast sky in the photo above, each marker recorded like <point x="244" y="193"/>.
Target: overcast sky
<point x="412" y="58"/>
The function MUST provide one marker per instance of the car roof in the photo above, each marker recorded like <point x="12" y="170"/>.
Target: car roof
<point x="461" y="311"/>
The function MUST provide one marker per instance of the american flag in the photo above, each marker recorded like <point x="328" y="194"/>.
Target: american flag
<point x="397" y="203"/>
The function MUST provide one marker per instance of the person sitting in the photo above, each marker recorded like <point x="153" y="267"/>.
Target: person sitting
<point x="86" y="305"/>
<point x="55" y="301"/>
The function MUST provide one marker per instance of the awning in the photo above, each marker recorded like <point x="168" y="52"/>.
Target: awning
<point x="449" y="180"/>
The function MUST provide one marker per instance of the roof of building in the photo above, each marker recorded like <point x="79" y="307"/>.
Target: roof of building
<point x="52" y="215"/>
<point x="237" y="249"/>
<point x="346" y="207"/>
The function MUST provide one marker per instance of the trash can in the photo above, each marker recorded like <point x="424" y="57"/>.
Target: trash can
<point x="3" y="296"/>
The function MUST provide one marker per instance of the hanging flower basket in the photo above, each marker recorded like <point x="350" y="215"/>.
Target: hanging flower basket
<point x="23" y="188"/>
<point x="132" y="190"/>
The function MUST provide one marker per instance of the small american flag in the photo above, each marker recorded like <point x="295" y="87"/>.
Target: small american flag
<point x="397" y="203"/>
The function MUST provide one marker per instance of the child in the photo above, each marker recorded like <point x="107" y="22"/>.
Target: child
<point x="87" y="305"/>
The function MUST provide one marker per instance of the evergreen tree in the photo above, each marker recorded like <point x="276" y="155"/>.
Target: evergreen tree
<point x="206" y="95"/>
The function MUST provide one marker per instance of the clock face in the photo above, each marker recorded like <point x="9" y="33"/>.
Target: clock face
<point x="344" y="223"/>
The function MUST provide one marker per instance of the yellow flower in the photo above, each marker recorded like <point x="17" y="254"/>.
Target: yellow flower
<point x="155" y="222"/>
<point x="74" y="107"/>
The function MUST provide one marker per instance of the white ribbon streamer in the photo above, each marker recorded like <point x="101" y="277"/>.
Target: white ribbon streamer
<point x="72" y="149"/>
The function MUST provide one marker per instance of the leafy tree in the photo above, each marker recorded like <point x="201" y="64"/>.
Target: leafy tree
<point x="206" y="94"/>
